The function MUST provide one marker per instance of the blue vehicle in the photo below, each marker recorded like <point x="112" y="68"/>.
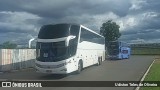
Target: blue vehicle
<point x="118" y="50"/>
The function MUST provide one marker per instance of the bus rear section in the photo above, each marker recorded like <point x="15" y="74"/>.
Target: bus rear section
<point x="125" y="52"/>
<point x="59" y="50"/>
<point x="118" y="50"/>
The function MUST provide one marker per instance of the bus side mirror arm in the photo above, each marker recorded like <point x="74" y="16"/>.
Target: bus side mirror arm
<point x="67" y="40"/>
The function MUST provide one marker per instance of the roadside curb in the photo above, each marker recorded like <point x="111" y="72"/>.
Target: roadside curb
<point x="142" y="79"/>
<point x="18" y="70"/>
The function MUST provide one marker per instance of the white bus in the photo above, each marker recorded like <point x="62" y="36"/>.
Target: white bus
<point x="65" y="48"/>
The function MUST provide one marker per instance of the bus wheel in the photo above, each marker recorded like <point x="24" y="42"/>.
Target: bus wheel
<point x="99" y="61"/>
<point x="128" y="57"/>
<point x="80" y="67"/>
<point x="121" y="57"/>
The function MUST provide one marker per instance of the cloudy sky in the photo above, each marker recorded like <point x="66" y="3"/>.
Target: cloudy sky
<point x="139" y="20"/>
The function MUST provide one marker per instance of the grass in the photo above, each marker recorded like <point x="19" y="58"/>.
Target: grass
<point x="153" y="75"/>
<point x="145" y="51"/>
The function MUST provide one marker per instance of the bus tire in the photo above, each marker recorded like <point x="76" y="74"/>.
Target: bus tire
<point x="128" y="57"/>
<point x="101" y="59"/>
<point x="80" y="67"/>
<point x="121" y="57"/>
<point x="99" y="62"/>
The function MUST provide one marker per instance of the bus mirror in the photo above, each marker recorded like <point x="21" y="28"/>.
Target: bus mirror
<point x="67" y="40"/>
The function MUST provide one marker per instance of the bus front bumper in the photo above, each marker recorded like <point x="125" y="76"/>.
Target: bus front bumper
<point x="61" y="70"/>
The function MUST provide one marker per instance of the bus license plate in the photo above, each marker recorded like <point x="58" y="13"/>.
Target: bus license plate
<point x="48" y="71"/>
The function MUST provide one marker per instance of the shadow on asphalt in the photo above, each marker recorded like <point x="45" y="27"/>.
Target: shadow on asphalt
<point x="116" y="59"/>
<point x="53" y="76"/>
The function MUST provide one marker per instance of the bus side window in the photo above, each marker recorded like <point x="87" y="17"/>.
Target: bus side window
<point x="72" y="47"/>
<point x="74" y="30"/>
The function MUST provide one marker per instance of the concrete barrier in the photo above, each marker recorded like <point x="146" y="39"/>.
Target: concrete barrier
<point x="15" y="59"/>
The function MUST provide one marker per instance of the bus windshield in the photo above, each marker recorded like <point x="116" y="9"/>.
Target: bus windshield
<point x="54" y="31"/>
<point x="51" y="52"/>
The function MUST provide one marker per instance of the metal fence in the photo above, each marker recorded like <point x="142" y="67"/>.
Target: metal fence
<point x="15" y="59"/>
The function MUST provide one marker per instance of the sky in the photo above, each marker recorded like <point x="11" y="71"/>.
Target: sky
<point x="139" y="20"/>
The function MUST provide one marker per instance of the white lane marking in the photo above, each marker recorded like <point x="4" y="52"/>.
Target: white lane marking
<point x="142" y="79"/>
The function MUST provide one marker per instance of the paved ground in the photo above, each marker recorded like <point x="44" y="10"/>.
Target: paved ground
<point x="116" y="70"/>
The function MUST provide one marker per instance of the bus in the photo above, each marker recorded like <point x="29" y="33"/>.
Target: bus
<point x="64" y="48"/>
<point x="118" y="50"/>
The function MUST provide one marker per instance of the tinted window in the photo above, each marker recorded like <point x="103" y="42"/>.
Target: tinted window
<point x="51" y="52"/>
<point x="54" y="31"/>
<point x="74" y="30"/>
<point x="90" y="37"/>
<point x="124" y="51"/>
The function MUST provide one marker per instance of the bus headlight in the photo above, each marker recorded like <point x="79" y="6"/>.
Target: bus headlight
<point x="63" y="64"/>
<point x="60" y="65"/>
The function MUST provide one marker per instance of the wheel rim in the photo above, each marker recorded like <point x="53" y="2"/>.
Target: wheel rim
<point x="79" y="67"/>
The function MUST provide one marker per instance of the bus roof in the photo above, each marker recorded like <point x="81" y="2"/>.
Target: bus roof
<point x="80" y="26"/>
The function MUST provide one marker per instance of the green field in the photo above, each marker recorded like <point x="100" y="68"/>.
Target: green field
<point x="145" y="51"/>
<point x="153" y="75"/>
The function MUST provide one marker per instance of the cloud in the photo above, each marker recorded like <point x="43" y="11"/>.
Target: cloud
<point x="137" y="4"/>
<point x="16" y="25"/>
<point x="142" y="25"/>
<point x="60" y="8"/>
<point x="92" y="21"/>
<point x="138" y="19"/>
<point x="17" y="21"/>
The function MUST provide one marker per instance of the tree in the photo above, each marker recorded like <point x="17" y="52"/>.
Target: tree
<point x="110" y="30"/>
<point x="9" y="45"/>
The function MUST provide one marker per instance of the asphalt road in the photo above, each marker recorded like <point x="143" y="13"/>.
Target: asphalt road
<point x="111" y="70"/>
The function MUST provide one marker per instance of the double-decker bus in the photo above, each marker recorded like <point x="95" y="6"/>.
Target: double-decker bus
<point x="65" y="48"/>
<point x="118" y="50"/>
